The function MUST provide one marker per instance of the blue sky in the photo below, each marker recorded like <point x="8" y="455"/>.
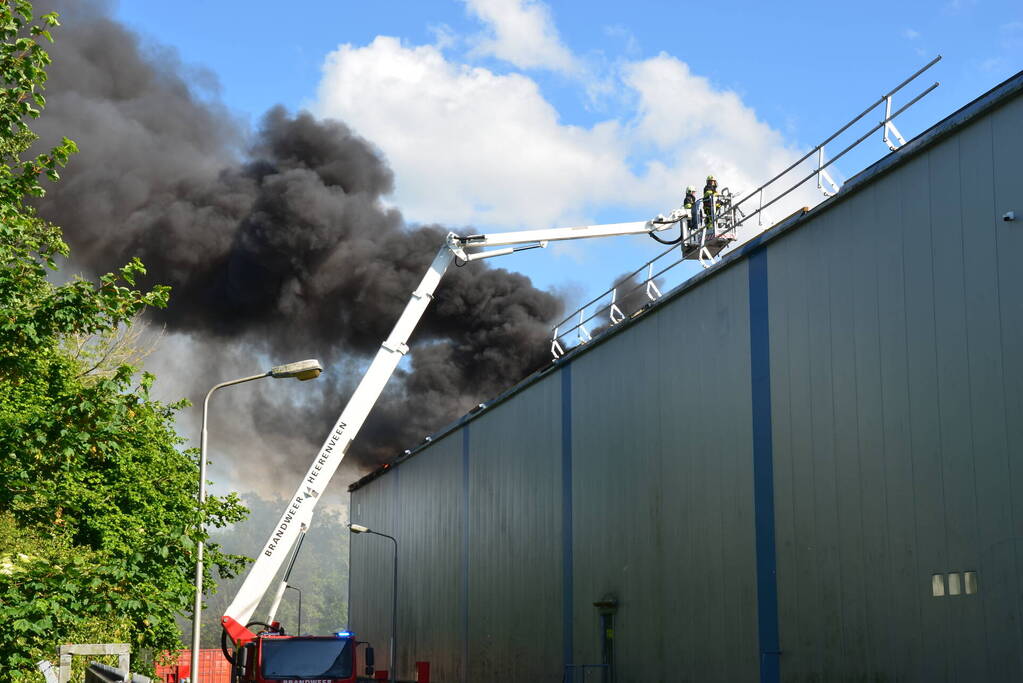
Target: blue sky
<point x="517" y="113"/>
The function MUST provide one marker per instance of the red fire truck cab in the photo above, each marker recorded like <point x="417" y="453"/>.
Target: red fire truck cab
<point x="272" y="657"/>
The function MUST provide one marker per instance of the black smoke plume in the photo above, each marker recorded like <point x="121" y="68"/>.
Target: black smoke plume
<point x="276" y="244"/>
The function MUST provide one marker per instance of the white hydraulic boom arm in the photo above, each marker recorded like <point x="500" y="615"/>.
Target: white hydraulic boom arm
<point x="298" y="514"/>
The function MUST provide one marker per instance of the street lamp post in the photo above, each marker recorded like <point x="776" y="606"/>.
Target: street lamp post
<point x="360" y="529"/>
<point x="302" y="370"/>
<point x="299" y="590"/>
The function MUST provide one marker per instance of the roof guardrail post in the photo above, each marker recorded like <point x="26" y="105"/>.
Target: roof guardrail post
<point x="651" y="287"/>
<point x="822" y="174"/>
<point x="583" y="334"/>
<point x="890" y="127"/>
<point x="556" y="349"/>
<point x="615" y="314"/>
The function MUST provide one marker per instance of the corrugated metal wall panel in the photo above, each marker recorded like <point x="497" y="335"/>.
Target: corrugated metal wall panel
<point x="927" y="495"/>
<point x="618" y="522"/>
<point x="515" y="577"/>
<point x="662" y="491"/>
<point x="370" y="567"/>
<point x="965" y="619"/>
<point x="431" y="588"/>
<point x="875" y="505"/>
<point x="983" y="398"/>
<point x="423" y="507"/>
<point x="903" y="622"/>
<point x="798" y="580"/>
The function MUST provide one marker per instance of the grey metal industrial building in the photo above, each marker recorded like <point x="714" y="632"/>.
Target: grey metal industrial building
<point x="805" y="464"/>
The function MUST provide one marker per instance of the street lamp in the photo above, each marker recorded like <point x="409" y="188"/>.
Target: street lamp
<point x="302" y="370"/>
<point x="296" y="588"/>
<point x="360" y="529"/>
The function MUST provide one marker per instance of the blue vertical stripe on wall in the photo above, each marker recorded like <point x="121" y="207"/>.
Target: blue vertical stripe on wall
<point x="465" y="554"/>
<point x="763" y="469"/>
<point x="567" y="601"/>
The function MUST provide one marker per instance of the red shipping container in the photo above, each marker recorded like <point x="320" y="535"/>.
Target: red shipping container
<point x="213" y="668"/>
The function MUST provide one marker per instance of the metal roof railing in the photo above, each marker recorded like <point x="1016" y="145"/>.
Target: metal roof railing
<point x="614" y="308"/>
<point x="886" y="125"/>
<point x="619" y="303"/>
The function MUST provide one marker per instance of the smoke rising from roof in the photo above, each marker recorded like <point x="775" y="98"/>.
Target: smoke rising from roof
<point x="277" y="244"/>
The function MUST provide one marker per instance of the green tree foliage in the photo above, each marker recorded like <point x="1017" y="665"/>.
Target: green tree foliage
<point x="97" y="510"/>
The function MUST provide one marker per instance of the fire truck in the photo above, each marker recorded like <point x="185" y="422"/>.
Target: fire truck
<point x="260" y="652"/>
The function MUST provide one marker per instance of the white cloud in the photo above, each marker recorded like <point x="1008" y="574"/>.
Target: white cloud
<point x="522" y="33"/>
<point x="444" y="37"/>
<point x="469" y="146"/>
<point x="911" y="34"/>
<point x="695" y="126"/>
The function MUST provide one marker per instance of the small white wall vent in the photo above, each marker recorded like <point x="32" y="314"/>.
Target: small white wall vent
<point x="954" y="583"/>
